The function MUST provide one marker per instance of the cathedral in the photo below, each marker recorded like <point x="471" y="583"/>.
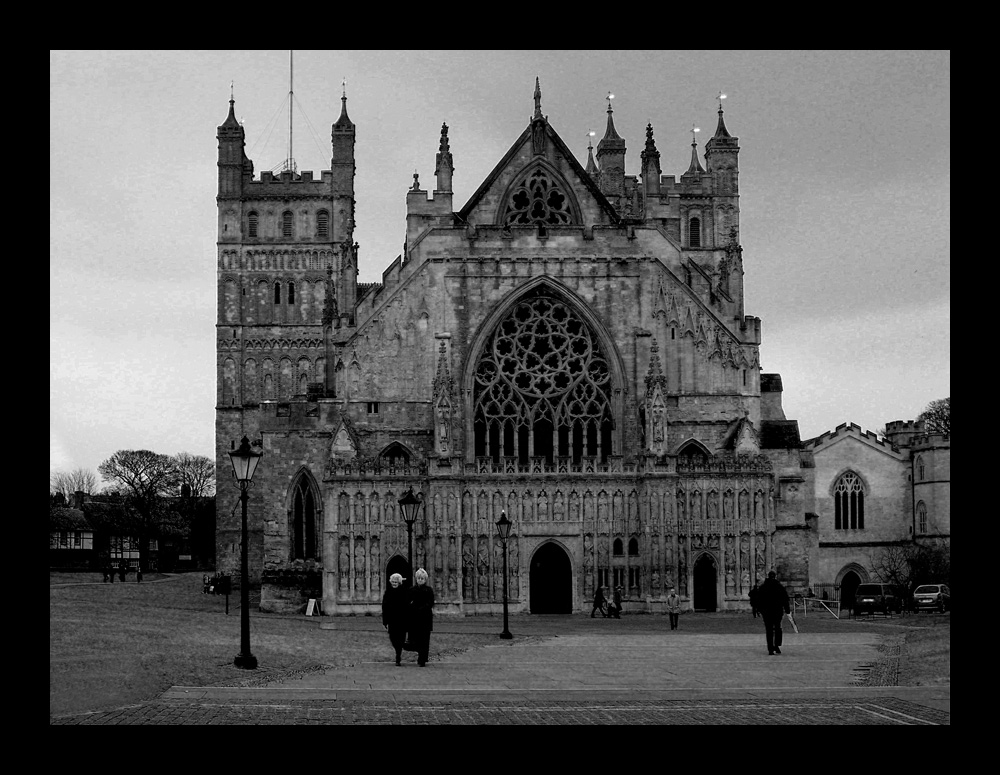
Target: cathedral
<point x="569" y="349"/>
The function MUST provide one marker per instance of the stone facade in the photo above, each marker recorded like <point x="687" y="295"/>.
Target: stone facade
<point x="570" y="348"/>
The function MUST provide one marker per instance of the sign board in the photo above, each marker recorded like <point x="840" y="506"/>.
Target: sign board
<point x="315" y="607"/>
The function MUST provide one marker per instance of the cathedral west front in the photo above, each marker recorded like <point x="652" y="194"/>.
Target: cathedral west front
<point x="569" y="348"/>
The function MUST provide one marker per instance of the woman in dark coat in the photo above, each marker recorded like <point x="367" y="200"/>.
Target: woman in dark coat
<point x="421" y="618"/>
<point x="394" y="611"/>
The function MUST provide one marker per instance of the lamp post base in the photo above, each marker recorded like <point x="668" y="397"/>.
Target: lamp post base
<point x="245" y="661"/>
<point x="506" y="635"/>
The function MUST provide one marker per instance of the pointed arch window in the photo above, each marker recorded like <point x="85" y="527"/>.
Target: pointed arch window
<point x="252" y="225"/>
<point x="633" y="548"/>
<point x="303" y="521"/>
<point x="921" y="470"/>
<point x="921" y="518"/>
<point x="618" y="549"/>
<point x="849" y="503"/>
<point x="291" y="293"/>
<point x="694" y="232"/>
<point x="277" y="293"/>
<point x="395" y="456"/>
<point x="322" y="224"/>
<point x="542" y="386"/>
<point x="286" y="223"/>
<point x="537" y="200"/>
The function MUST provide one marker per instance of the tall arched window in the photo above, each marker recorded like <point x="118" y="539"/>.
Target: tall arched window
<point x="633" y="547"/>
<point x="920" y="469"/>
<point x="542" y="386"/>
<point x="694" y="232"/>
<point x="921" y="517"/>
<point x="277" y="293"/>
<point x="286" y="223"/>
<point x="291" y="293"/>
<point x="849" y="503"/>
<point x="252" y="225"/>
<point x="303" y="521"/>
<point x="322" y="224"/>
<point x="618" y="548"/>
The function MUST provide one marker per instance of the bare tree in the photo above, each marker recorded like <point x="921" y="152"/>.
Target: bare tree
<point x="937" y="416"/>
<point x="894" y="565"/>
<point x="195" y="471"/>
<point x="68" y="483"/>
<point x="143" y="477"/>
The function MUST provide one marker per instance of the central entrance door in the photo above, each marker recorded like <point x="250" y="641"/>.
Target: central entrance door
<point x="551" y="581"/>
<point x="704" y="583"/>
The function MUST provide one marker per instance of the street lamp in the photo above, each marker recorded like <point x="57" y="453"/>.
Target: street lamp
<point x="245" y="460"/>
<point x="409" y="504"/>
<point x="503" y="530"/>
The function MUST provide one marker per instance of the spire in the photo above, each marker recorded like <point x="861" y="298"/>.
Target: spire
<point x="591" y="166"/>
<point x="538" y="100"/>
<point x="231" y="118"/>
<point x="720" y="130"/>
<point x="655" y="375"/>
<point x="650" y="156"/>
<point x="445" y="166"/>
<point x="611" y="137"/>
<point x="344" y="123"/>
<point x="695" y="164"/>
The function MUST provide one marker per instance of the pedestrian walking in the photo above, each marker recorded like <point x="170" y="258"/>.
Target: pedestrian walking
<point x="111" y="572"/>
<point x="772" y="600"/>
<point x="138" y="574"/>
<point x="600" y="604"/>
<point x="122" y="570"/>
<point x="673" y="608"/>
<point x="204" y="584"/>
<point x="754" y="595"/>
<point x="105" y="575"/>
<point x="394" y="610"/>
<point x="616" y="606"/>
<point x="420" y="621"/>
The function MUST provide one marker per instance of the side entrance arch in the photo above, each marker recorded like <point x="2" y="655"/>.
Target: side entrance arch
<point x="551" y="581"/>
<point x="705" y="583"/>
<point x="849" y="584"/>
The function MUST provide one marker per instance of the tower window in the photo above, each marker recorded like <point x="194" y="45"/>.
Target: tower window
<point x="694" y="232"/>
<point x="277" y="293"/>
<point x="291" y="293"/>
<point x="920" y="469"/>
<point x="286" y="223"/>
<point x="373" y="407"/>
<point x="322" y="224"/>
<point x="633" y="547"/>
<point x="617" y="549"/>
<point x="921" y="517"/>
<point x="252" y="225"/>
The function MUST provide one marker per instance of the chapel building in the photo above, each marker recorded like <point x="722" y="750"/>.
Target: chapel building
<point x="569" y="348"/>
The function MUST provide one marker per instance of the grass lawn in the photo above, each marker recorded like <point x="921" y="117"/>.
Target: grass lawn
<point x="123" y="643"/>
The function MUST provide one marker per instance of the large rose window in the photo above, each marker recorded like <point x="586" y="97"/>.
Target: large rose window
<point x="542" y="386"/>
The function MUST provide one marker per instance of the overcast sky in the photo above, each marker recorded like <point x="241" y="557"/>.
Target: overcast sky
<point x="845" y="193"/>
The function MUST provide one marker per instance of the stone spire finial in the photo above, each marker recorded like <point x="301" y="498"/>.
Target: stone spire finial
<point x="538" y="100"/>
<point x="720" y="130"/>
<point x="695" y="163"/>
<point x="591" y="165"/>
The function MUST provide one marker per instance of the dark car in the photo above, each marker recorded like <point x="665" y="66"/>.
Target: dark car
<point x="932" y="597"/>
<point x="870" y="598"/>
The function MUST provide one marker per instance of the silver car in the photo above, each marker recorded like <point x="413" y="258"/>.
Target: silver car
<point x="933" y="597"/>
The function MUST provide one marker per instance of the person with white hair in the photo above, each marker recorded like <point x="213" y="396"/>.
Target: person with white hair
<point x="421" y="619"/>
<point x="394" y="613"/>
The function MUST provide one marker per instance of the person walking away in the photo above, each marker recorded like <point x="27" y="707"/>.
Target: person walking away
<point x="421" y="615"/>
<point x="138" y="574"/>
<point x="394" y="603"/>
<point x="105" y="575"/>
<point x="772" y="600"/>
<point x="616" y="610"/>
<point x="754" y="595"/>
<point x="599" y="603"/>
<point x="673" y="608"/>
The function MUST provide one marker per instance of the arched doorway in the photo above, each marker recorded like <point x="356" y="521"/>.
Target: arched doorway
<point x="704" y="583"/>
<point x="398" y="565"/>
<point x="848" y="588"/>
<point x="551" y="581"/>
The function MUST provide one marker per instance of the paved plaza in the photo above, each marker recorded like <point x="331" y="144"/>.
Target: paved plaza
<point x="576" y="670"/>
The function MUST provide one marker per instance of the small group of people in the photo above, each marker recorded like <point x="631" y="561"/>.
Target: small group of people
<point x="608" y="608"/>
<point x="408" y="615"/>
<point x="110" y="573"/>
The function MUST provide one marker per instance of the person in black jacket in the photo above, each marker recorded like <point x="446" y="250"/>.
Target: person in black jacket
<point x="599" y="603"/>
<point x="754" y="594"/>
<point x="772" y="602"/>
<point x="616" y="607"/>
<point x="394" y="611"/>
<point x="421" y="615"/>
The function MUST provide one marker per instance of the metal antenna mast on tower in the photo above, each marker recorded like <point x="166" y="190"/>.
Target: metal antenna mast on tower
<point x="291" y="99"/>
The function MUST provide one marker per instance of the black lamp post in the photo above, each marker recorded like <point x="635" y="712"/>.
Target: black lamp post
<point x="245" y="460"/>
<point x="503" y="530"/>
<point x="409" y="504"/>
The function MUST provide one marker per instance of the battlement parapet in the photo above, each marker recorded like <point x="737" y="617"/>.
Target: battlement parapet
<point x="845" y="429"/>
<point x="289" y="184"/>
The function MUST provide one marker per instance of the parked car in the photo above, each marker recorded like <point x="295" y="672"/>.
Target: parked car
<point x="877" y="597"/>
<point x="933" y="597"/>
